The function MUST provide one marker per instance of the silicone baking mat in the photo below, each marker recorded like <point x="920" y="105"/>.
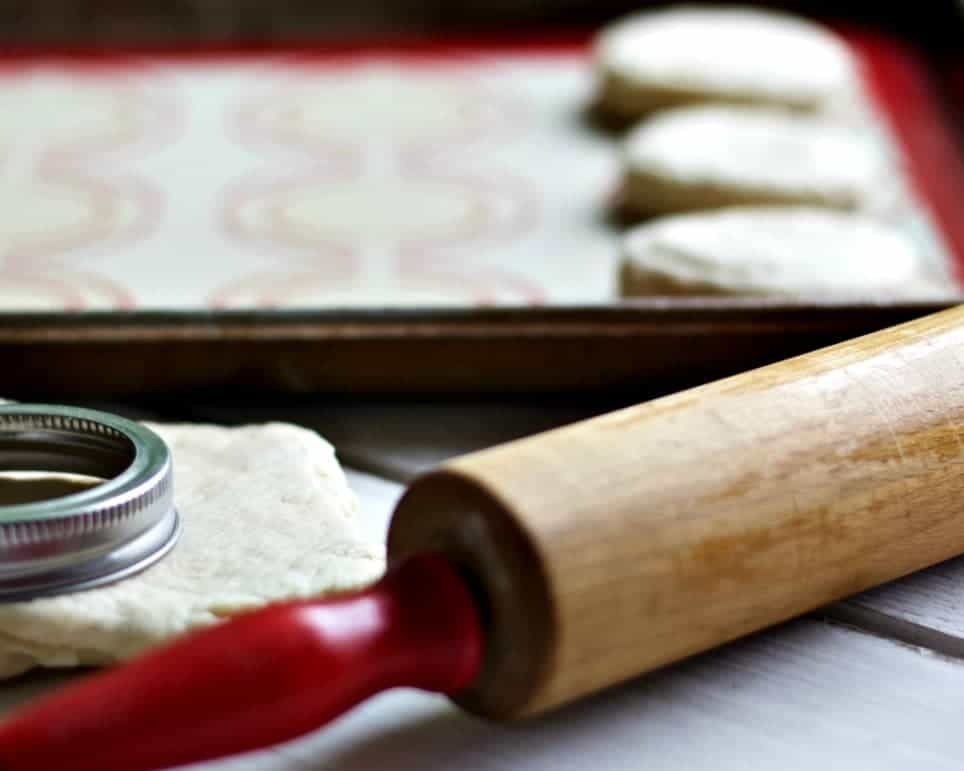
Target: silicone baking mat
<point x="457" y="174"/>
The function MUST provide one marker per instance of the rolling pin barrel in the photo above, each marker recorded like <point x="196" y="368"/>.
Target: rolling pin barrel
<point x="617" y="545"/>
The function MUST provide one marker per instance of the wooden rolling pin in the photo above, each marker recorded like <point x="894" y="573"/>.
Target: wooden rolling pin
<point x="582" y="557"/>
<point x="629" y="541"/>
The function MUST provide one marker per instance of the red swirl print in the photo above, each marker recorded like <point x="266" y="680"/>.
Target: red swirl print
<point x="383" y="191"/>
<point x="70" y="291"/>
<point x="64" y="186"/>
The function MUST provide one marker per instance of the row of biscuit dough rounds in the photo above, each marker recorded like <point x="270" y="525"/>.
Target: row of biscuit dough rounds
<point x="740" y="150"/>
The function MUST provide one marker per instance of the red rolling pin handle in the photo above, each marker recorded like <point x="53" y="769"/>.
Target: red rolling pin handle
<point x="262" y="678"/>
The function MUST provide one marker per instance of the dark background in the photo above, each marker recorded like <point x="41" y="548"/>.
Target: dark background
<point x="935" y="24"/>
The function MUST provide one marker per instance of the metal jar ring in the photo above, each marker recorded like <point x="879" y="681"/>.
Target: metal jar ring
<point x="100" y="534"/>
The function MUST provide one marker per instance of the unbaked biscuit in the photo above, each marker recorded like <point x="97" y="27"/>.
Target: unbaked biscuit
<point x="697" y="158"/>
<point x="760" y="251"/>
<point x="691" y="54"/>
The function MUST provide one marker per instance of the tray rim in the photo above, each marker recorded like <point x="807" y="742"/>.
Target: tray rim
<point x="648" y="348"/>
<point x="546" y="320"/>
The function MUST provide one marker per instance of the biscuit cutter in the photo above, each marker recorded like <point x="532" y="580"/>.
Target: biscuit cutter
<point x="526" y="576"/>
<point x="94" y="535"/>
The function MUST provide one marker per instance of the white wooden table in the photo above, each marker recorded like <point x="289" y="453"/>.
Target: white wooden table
<point x="875" y="682"/>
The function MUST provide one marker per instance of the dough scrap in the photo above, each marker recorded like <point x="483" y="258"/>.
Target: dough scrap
<point x="709" y="157"/>
<point x="784" y="251"/>
<point x="655" y="59"/>
<point x="267" y="515"/>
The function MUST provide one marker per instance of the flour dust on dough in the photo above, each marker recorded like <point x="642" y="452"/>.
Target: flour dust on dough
<point x="268" y="515"/>
<point x="771" y="250"/>
<point x="708" y="157"/>
<point x="656" y="59"/>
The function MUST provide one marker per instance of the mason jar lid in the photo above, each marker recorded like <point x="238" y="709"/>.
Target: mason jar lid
<point x="99" y="534"/>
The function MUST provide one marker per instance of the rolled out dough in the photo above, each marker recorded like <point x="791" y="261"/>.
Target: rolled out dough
<point x="268" y="515"/>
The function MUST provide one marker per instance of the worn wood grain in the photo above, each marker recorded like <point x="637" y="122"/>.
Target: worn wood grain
<point x="804" y="696"/>
<point x="924" y="609"/>
<point x="687" y="521"/>
<point x="401" y="440"/>
<point x="800" y="696"/>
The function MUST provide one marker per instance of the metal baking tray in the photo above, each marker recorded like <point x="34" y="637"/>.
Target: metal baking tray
<point x="625" y="345"/>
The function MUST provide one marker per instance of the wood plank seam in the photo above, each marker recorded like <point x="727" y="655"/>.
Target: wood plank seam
<point x="898" y="630"/>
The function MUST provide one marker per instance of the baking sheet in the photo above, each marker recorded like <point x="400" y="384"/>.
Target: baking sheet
<point x="176" y="270"/>
<point x="460" y="177"/>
